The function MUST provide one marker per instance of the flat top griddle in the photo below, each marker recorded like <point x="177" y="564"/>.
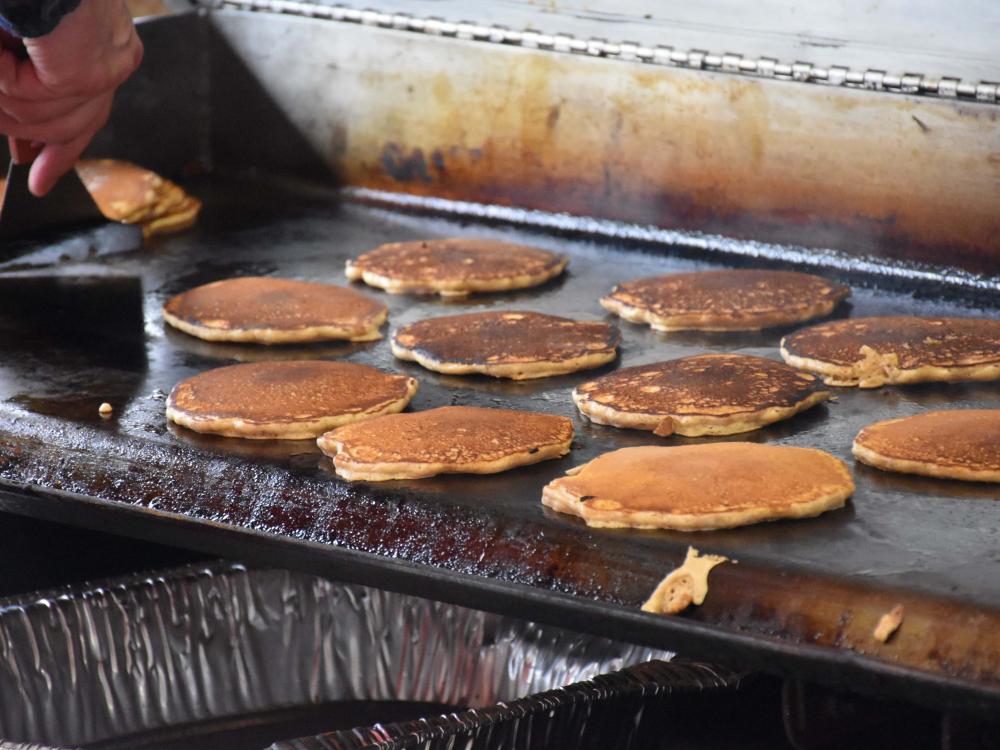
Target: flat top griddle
<point x="803" y="598"/>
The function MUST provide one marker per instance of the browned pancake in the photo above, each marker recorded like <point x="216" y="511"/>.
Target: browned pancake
<point x="737" y="300"/>
<point x="286" y="400"/>
<point x="952" y="444"/>
<point x="707" y="394"/>
<point x="450" y="439"/>
<point x="869" y="352"/>
<point x="506" y="344"/>
<point x="128" y="193"/>
<point x="275" y="311"/>
<point x="695" y="487"/>
<point x="454" y="267"/>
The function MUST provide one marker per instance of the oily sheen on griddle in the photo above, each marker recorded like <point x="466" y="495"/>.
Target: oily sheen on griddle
<point x="446" y="440"/>
<point x="949" y="444"/>
<point x="514" y="344"/>
<point x="290" y="400"/>
<point x="264" y="310"/>
<point x="454" y="267"/>
<point x="731" y="300"/>
<point x="705" y="394"/>
<point x="871" y="352"/>
<point x="700" y="487"/>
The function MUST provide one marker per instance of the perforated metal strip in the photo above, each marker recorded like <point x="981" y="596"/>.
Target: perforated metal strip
<point x="728" y="62"/>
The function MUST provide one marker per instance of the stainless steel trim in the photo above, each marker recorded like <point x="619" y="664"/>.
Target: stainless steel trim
<point x="905" y="82"/>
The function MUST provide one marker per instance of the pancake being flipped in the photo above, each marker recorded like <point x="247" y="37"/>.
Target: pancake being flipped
<point x="949" y="444"/>
<point x="286" y="400"/>
<point x="454" y="267"/>
<point x="736" y="300"/>
<point x="870" y="352"/>
<point x="699" y="487"/>
<point x="707" y="394"/>
<point x="130" y="194"/>
<point x="447" y="440"/>
<point x="275" y="311"/>
<point x="507" y="344"/>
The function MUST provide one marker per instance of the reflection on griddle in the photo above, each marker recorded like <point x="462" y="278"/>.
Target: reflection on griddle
<point x="931" y="486"/>
<point x="222" y="351"/>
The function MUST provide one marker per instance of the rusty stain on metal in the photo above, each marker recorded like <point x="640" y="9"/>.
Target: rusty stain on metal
<point x="869" y="174"/>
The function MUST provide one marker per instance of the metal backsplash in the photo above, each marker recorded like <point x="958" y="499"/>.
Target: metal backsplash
<point x="475" y="119"/>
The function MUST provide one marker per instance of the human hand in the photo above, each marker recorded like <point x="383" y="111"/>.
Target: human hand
<point x="58" y="90"/>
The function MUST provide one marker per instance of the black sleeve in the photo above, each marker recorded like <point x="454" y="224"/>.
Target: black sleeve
<point x="31" y="18"/>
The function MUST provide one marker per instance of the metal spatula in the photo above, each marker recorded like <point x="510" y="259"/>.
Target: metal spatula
<point x="67" y="206"/>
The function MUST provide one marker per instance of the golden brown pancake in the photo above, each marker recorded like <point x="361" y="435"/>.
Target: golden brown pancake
<point x="737" y="300"/>
<point x="130" y="194"/>
<point x="950" y="444"/>
<point x="696" y="487"/>
<point x="707" y="394"/>
<point x="454" y="267"/>
<point x="275" y="311"/>
<point x="447" y="440"/>
<point x="506" y="344"/>
<point x="870" y="352"/>
<point x="286" y="400"/>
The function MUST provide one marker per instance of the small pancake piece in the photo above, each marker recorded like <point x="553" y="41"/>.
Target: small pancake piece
<point x="446" y="440"/>
<point x="735" y="300"/>
<point x="511" y="344"/>
<point x="286" y="400"/>
<point x="871" y="352"/>
<point x="948" y="444"/>
<point x="130" y="194"/>
<point x="454" y="267"/>
<point x="700" y="487"/>
<point x="263" y="310"/>
<point x="707" y="394"/>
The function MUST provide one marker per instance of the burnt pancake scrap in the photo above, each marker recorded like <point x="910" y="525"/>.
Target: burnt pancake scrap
<point x="446" y="440"/>
<point x="264" y="310"/>
<point x="706" y="394"/>
<point x="454" y="267"/>
<point x="513" y="344"/>
<point x="291" y="400"/>
<point x="732" y="300"/>
<point x="871" y="352"/>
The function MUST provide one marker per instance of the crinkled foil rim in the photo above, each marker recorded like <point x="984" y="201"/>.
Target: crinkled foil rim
<point x="88" y="663"/>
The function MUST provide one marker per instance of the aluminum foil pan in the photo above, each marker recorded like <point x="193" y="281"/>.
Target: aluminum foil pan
<point x="192" y="644"/>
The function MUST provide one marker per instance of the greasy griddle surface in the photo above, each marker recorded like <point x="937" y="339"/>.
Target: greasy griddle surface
<point x="71" y="343"/>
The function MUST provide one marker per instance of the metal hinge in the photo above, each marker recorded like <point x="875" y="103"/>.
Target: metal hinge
<point x="727" y="62"/>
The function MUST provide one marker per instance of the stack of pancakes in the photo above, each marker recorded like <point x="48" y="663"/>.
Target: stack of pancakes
<point x="130" y="194"/>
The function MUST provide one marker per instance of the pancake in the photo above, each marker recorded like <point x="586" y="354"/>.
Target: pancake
<point x="707" y="394"/>
<point x="286" y="400"/>
<point x="737" y="300"/>
<point x="447" y="440"/>
<point x="130" y="194"/>
<point x="454" y="267"/>
<point x="870" y="352"/>
<point x="949" y="444"/>
<point x="275" y="311"/>
<point x="699" y="487"/>
<point x="507" y="344"/>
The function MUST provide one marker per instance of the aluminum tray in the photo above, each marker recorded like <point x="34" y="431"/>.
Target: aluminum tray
<point x="131" y="662"/>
